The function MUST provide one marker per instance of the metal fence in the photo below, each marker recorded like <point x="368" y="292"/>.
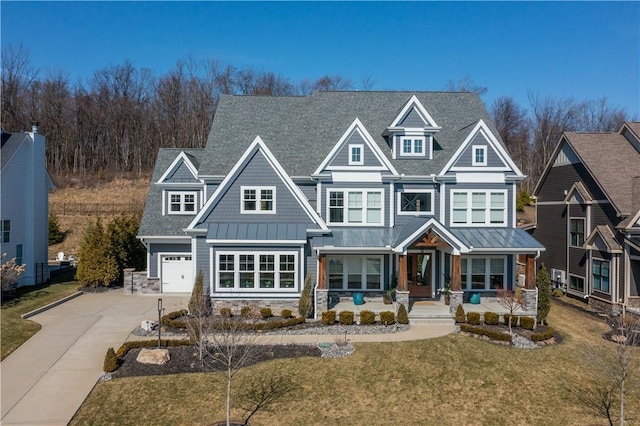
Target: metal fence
<point x="95" y="209"/>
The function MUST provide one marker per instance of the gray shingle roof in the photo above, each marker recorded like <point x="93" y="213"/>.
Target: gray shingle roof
<point x="10" y="143"/>
<point x="612" y="161"/>
<point x="300" y="131"/>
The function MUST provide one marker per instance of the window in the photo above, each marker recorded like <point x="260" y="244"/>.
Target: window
<point x="415" y="202"/>
<point x="479" y="273"/>
<point x="576" y="283"/>
<point x="356" y="155"/>
<point x="182" y="202"/>
<point x="258" y="271"/>
<point x="479" y="156"/>
<point x="355" y="207"/>
<point x="355" y="273"/>
<point x="258" y="199"/>
<point x="6" y="230"/>
<point x="478" y="208"/>
<point x="413" y="146"/>
<point x="601" y="275"/>
<point x="577" y="232"/>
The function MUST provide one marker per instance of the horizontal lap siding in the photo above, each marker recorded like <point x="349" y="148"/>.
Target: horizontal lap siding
<point x="634" y="277"/>
<point x="561" y="178"/>
<point x="578" y="262"/>
<point x="342" y="157"/>
<point x="466" y="159"/>
<point x="202" y="261"/>
<point x="155" y="249"/>
<point x="400" y="220"/>
<point x="552" y="233"/>
<point x="413" y="120"/>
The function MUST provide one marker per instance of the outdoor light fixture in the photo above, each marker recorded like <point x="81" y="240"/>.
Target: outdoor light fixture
<point x="159" y="320"/>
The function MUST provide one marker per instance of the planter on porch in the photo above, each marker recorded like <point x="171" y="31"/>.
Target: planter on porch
<point x="358" y="299"/>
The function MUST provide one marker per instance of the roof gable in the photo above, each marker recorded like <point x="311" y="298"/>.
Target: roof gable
<point x="414" y="115"/>
<point x="603" y="239"/>
<point x="578" y="193"/>
<point x="181" y="170"/>
<point x="372" y="156"/>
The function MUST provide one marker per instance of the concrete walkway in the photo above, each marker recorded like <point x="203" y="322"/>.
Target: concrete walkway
<point x="45" y="380"/>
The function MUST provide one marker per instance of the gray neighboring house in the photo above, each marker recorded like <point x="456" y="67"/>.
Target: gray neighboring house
<point x="588" y="217"/>
<point x="24" y="204"/>
<point x="359" y="191"/>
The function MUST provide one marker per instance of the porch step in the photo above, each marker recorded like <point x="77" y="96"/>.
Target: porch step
<point x="432" y="321"/>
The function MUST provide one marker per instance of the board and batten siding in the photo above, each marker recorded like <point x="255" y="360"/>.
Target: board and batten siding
<point x="154" y="253"/>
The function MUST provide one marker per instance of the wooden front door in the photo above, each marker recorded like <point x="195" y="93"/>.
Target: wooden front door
<point x="419" y="267"/>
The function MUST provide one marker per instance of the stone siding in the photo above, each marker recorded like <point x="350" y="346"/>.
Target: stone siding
<point x="276" y="305"/>
<point x="137" y="282"/>
<point x="604" y="306"/>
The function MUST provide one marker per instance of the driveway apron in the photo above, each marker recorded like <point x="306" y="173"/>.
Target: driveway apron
<point x="45" y="380"/>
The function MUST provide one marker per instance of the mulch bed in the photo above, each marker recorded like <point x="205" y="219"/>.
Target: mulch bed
<point x="523" y="332"/>
<point x="184" y="359"/>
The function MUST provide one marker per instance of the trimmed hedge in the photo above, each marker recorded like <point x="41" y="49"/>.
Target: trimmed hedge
<point x="539" y="337"/>
<point x="329" y="317"/>
<point x="225" y="312"/>
<point x="367" y="317"/>
<point x="272" y="325"/>
<point x="403" y="316"/>
<point x="265" y="313"/>
<point x="473" y="318"/>
<point x="346" y="317"/>
<point x="557" y="293"/>
<point x="460" y="316"/>
<point x="514" y="320"/>
<point x="127" y="346"/>
<point x="491" y="318"/>
<point x="495" y="335"/>
<point x="387" y="318"/>
<point x="170" y="320"/>
<point x="285" y="313"/>
<point x="528" y="323"/>
<point x="245" y="311"/>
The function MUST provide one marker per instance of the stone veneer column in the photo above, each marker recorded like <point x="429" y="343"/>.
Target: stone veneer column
<point x="322" y="301"/>
<point x="402" y="297"/>
<point x="530" y="300"/>
<point x="456" y="296"/>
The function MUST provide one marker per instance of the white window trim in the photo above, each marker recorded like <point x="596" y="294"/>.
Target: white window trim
<point x="487" y="222"/>
<point x="584" y="231"/>
<point x="345" y="208"/>
<point x="363" y="273"/>
<point x="351" y="161"/>
<point x="487" y="272"/>
<point x="182" y="202"/>
<point x="426" y="146"/>
<point x="417" y="191"/>
<point x="477" y="148"/>
<point x="256" y="273"/>
<point x="258" y="190"/>
<point x="593" y="284"/>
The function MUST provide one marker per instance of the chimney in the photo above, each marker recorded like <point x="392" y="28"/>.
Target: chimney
<point x="34" y="127"/>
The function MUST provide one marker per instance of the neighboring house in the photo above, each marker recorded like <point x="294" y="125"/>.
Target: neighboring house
<point x="358" y="190"/>
<point x="24" y="204"/>
<point x="588" y="216"/>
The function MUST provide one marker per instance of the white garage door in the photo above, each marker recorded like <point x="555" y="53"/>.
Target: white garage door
<point x="177" y="274"/>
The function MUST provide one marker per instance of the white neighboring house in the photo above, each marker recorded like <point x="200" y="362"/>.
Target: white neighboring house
<point x="24" y="203"/>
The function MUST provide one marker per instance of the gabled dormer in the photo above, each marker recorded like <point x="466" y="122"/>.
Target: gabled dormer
<point x="181" y="188"/>
<point x="411" y="133"/>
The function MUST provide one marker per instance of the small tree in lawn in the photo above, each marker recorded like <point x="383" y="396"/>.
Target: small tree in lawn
<point x="543" y="282"/>
<point x="11" y="271"/>
<point x="199" y="319"/>
<point x="261" y="392"/>
<point x="305" y="303"/>
<point x="511" y="301"/>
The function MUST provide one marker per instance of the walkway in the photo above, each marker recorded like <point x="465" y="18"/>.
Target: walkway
<point x="45" y="380"/>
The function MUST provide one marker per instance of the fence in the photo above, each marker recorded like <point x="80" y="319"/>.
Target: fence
<point x="95" y="209"/>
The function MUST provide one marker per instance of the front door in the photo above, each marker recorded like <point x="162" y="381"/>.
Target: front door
<point x="419" y="267"/>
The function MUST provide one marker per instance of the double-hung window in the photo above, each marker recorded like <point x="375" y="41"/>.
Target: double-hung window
<point x="182" y="202"/>
<point x="600" y="271"/>
<point x="357" y="207"/>
<point x="356" y="155"/>
<point x="479" y="208"/>
<point x="413" y="146"/>
<point x="5" y="230"/>
<point x="257" y="271"/>
<point x="479" y="155"/>
<point x="258" y="199"/>
<point x="577" y="231"/>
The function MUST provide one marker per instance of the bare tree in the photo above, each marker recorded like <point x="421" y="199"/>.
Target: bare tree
<point x="512" y="302"/>
<point x="18" y="77"/>
<point x="264" y="391"/>
<point x="514" y="128"/>
<point x="465" y="84"/>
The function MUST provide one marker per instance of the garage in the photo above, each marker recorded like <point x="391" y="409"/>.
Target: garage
<point x="177" y="274"/>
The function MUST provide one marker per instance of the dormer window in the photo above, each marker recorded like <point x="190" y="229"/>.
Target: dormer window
<point x="414" y="146"/>
<point x="356" y="155"/>
<point x="182" y="202"/>
<point x="479" y="155"/>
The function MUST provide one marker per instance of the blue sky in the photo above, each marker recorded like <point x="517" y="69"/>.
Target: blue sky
<point x="582" y="49"/>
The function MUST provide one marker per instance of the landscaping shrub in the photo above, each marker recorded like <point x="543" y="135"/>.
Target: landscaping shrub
<point x="245" y="311"/>
<point x="543" y="282"/>
<point x="403" y="317"/>
<point x="98" y="265"/>
<point x="329" y="317"/>
<point x="523" y="199"/>
<point x="305" y="303"/>
<point x="367" y="317"/>
<point x="285" y="313"/>
<point x="491" y="318"/>
<point x="460" y="317"/>
<point x="539" y="337"/>
<point x="225" y="312"/>
<point x="492" y="334"/>
<point x="127" y="346"/>
<point x="198" y="303"/>
<point x="170" y="320"/>
<point x="558" y="292"/>
<point x="346" y="317"/>
<point x="528" y="323"/>
<point x="387" y="318"/>
<point x="111" y="361"/>
<point x="473" y="318"/>
<point x="265" y="313"/>
<point x="513" y="319"/>
<point x="55" y="234"/>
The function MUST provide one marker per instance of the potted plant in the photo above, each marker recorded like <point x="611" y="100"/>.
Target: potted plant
<point x="446" y="292"/>
<point x="387" y="298"/>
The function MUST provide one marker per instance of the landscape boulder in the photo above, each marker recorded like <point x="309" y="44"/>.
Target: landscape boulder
<point x="153" y="356"/>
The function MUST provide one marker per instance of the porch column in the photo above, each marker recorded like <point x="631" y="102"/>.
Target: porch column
<point x="530" y="273"/>
<point x="456" y="295"/>
<point x="530" y="291"/>
<point x="322" y="294"/>
<point x="322" y="269"/>
<point x="402" y="292"/>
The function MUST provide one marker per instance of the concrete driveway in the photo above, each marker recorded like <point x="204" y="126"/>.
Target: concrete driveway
<point x="45" y="380"/>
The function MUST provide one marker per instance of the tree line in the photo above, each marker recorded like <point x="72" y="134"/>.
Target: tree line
<point x="118" y="119"/>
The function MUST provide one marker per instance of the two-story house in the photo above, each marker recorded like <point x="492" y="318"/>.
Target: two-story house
<point x="588" y="216"/>
<point x="356" y="190"/>
<point x="24" y="204"/>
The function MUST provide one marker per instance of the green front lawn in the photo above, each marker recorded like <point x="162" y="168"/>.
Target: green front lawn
<point x="453" y="380"/>
<point x="15" y="330"/>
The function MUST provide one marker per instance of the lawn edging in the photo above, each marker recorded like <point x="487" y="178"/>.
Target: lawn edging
<point x="50" y="305"/>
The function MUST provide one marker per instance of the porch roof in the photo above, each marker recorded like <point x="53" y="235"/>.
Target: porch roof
<point x="513" y="240"/>
<point x="245" y="232"/>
